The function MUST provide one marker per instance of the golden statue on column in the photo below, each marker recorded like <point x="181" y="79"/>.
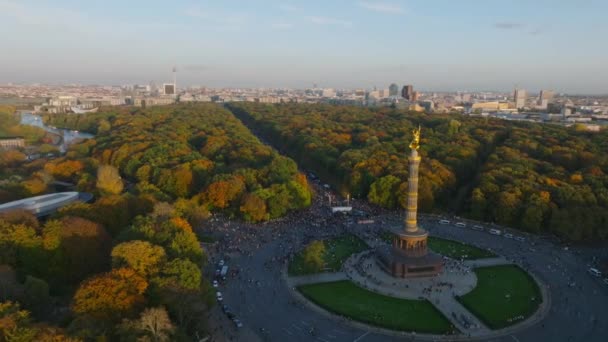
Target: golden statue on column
<point x="408" y="256"/>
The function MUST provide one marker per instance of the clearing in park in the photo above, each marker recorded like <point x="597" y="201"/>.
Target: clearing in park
<point x="346" y="299"/>
<point x="337" y="250"/>
<point x="457" y="250"/>
<point x="505" y="295"/>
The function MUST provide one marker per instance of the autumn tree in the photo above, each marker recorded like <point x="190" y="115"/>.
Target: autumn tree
<point x="143" y="257"/>
<point x="109" y="180"/>
<point x="253" y="208"/>
<point x="110" y="296"/>
<point x="179" y="273"/>
<point x="314" y="256"/>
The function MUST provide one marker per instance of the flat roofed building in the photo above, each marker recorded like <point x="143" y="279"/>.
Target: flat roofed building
<point x="12" y="142"/>
<point x="45" y="204"/>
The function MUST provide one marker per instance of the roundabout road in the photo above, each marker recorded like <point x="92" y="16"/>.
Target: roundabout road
<point x="261" y="298"/>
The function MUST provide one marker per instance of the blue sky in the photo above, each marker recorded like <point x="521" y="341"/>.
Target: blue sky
<point x="433" y="44"/>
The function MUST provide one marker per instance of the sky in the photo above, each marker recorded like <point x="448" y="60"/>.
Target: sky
<point x="441" y="45"/>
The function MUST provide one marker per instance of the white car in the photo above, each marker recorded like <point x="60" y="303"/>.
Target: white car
<point x="508" y="236"/>
<point x="219" y="296"/>
<point x="215" y="284"/>
<point x="444" y="222"/>
<point x="495" y="232"/>
<point x="461" y="224"/>
<point x="520" y="238"/>
<point x="595" y="272"/>
<point x="477" y="227"/>
<point x="221" y="263"/>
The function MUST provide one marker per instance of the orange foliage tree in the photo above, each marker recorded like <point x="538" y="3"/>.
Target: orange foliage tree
<point x="110" y="296"/>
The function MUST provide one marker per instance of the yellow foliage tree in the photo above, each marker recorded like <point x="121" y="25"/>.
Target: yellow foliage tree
<point x="108" y="180"/>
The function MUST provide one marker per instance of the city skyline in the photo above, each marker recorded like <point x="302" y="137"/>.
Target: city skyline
<point x="440" y="46"/>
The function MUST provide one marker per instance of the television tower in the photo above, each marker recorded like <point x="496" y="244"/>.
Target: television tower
<point x="175" y="79"/>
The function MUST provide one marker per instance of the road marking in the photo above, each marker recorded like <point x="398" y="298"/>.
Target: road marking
<point x="331" y="336"/>
<point x="287" y="331"/>
<point x="339" y="332"/>
<point x="297" y="327"/>
<point x="515" y="338"/>
<point x="361" y="337"/>
<point x="321" y="339"/>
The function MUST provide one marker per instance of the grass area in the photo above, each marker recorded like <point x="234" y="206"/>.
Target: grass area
<point x="457" y="250"/>
<point x="346" y="299"/>
<point x="337" y="250"/>
<point x="450" y="248"/>
<point x="504" y="295"/>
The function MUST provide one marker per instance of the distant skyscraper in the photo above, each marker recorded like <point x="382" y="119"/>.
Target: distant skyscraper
<point x="545" y="95"/>
<point x="519" y="96"/>
<point x="393" y="90"/>
<point x="415" y="96"/>
<point x="169" y="89"/>
<point x="408" y="92"/>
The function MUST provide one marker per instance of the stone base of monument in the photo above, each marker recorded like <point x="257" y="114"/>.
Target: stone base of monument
<point x="394" y="262"/>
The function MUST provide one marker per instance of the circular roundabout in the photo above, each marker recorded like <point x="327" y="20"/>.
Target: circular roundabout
<point x="477" y="295"/>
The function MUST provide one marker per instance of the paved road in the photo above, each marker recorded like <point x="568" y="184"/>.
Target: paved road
<point x="260" y="296"/>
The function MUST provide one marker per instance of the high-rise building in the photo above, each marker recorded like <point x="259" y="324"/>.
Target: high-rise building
<point x="415" y="96"/>
<point x="169" y="88"/>
<point x="393" y="90"/>
<point x="407" y="92"/>
<point x="328" y="92"/>
<point x="519" y="97"/>
<point x="545" y="95"/>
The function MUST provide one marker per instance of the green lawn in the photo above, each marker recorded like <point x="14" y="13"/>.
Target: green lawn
<point x="337" y="250"/>
<point x="451" y="249"/>
<point x="457" y="250"/>
<point x="347" y="299"/>
<point x="502" y="294"/>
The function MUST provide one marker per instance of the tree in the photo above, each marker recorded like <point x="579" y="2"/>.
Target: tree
<point x="36" y="296"/>
<point x="83" y="247"/>
<point x="10" y="158"/>
<point x="15" y="323"/>
<point x="155" y="322"/>
<point x="384" y="191"/>
<point x="314" y="256"/>
<point x="108" y="180"/>
<point x="179" y="273"/>
<point x="143" y="257"/>
<point x="110" y="296"/>
<point x="253" y="208"/>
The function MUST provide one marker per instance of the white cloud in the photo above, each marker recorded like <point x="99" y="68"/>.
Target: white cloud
<point x="382" y="7"/>
<point x="318" y="20"/>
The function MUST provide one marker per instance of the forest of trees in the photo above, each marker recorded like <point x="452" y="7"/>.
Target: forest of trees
<point x="128" y="265"/>
<point x="200" y="153"/>
<point x="539" y="178"/>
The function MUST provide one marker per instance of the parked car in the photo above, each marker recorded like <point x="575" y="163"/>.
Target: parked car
<point x="219" y="296"/>
<point x="221" y="263"/>
<point x="606" y="281"/>
<point x="520" y="238"/>
<point x="508" y="235"/>
<point x="594" y="272"/>
<point x="495" y="231"/>
<point x="225" y="308"/>
<point x="477" y="227"/>
<point x="215" y="284"/>
<point x="444" y="222"/>
<point x="237" y="322"/>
